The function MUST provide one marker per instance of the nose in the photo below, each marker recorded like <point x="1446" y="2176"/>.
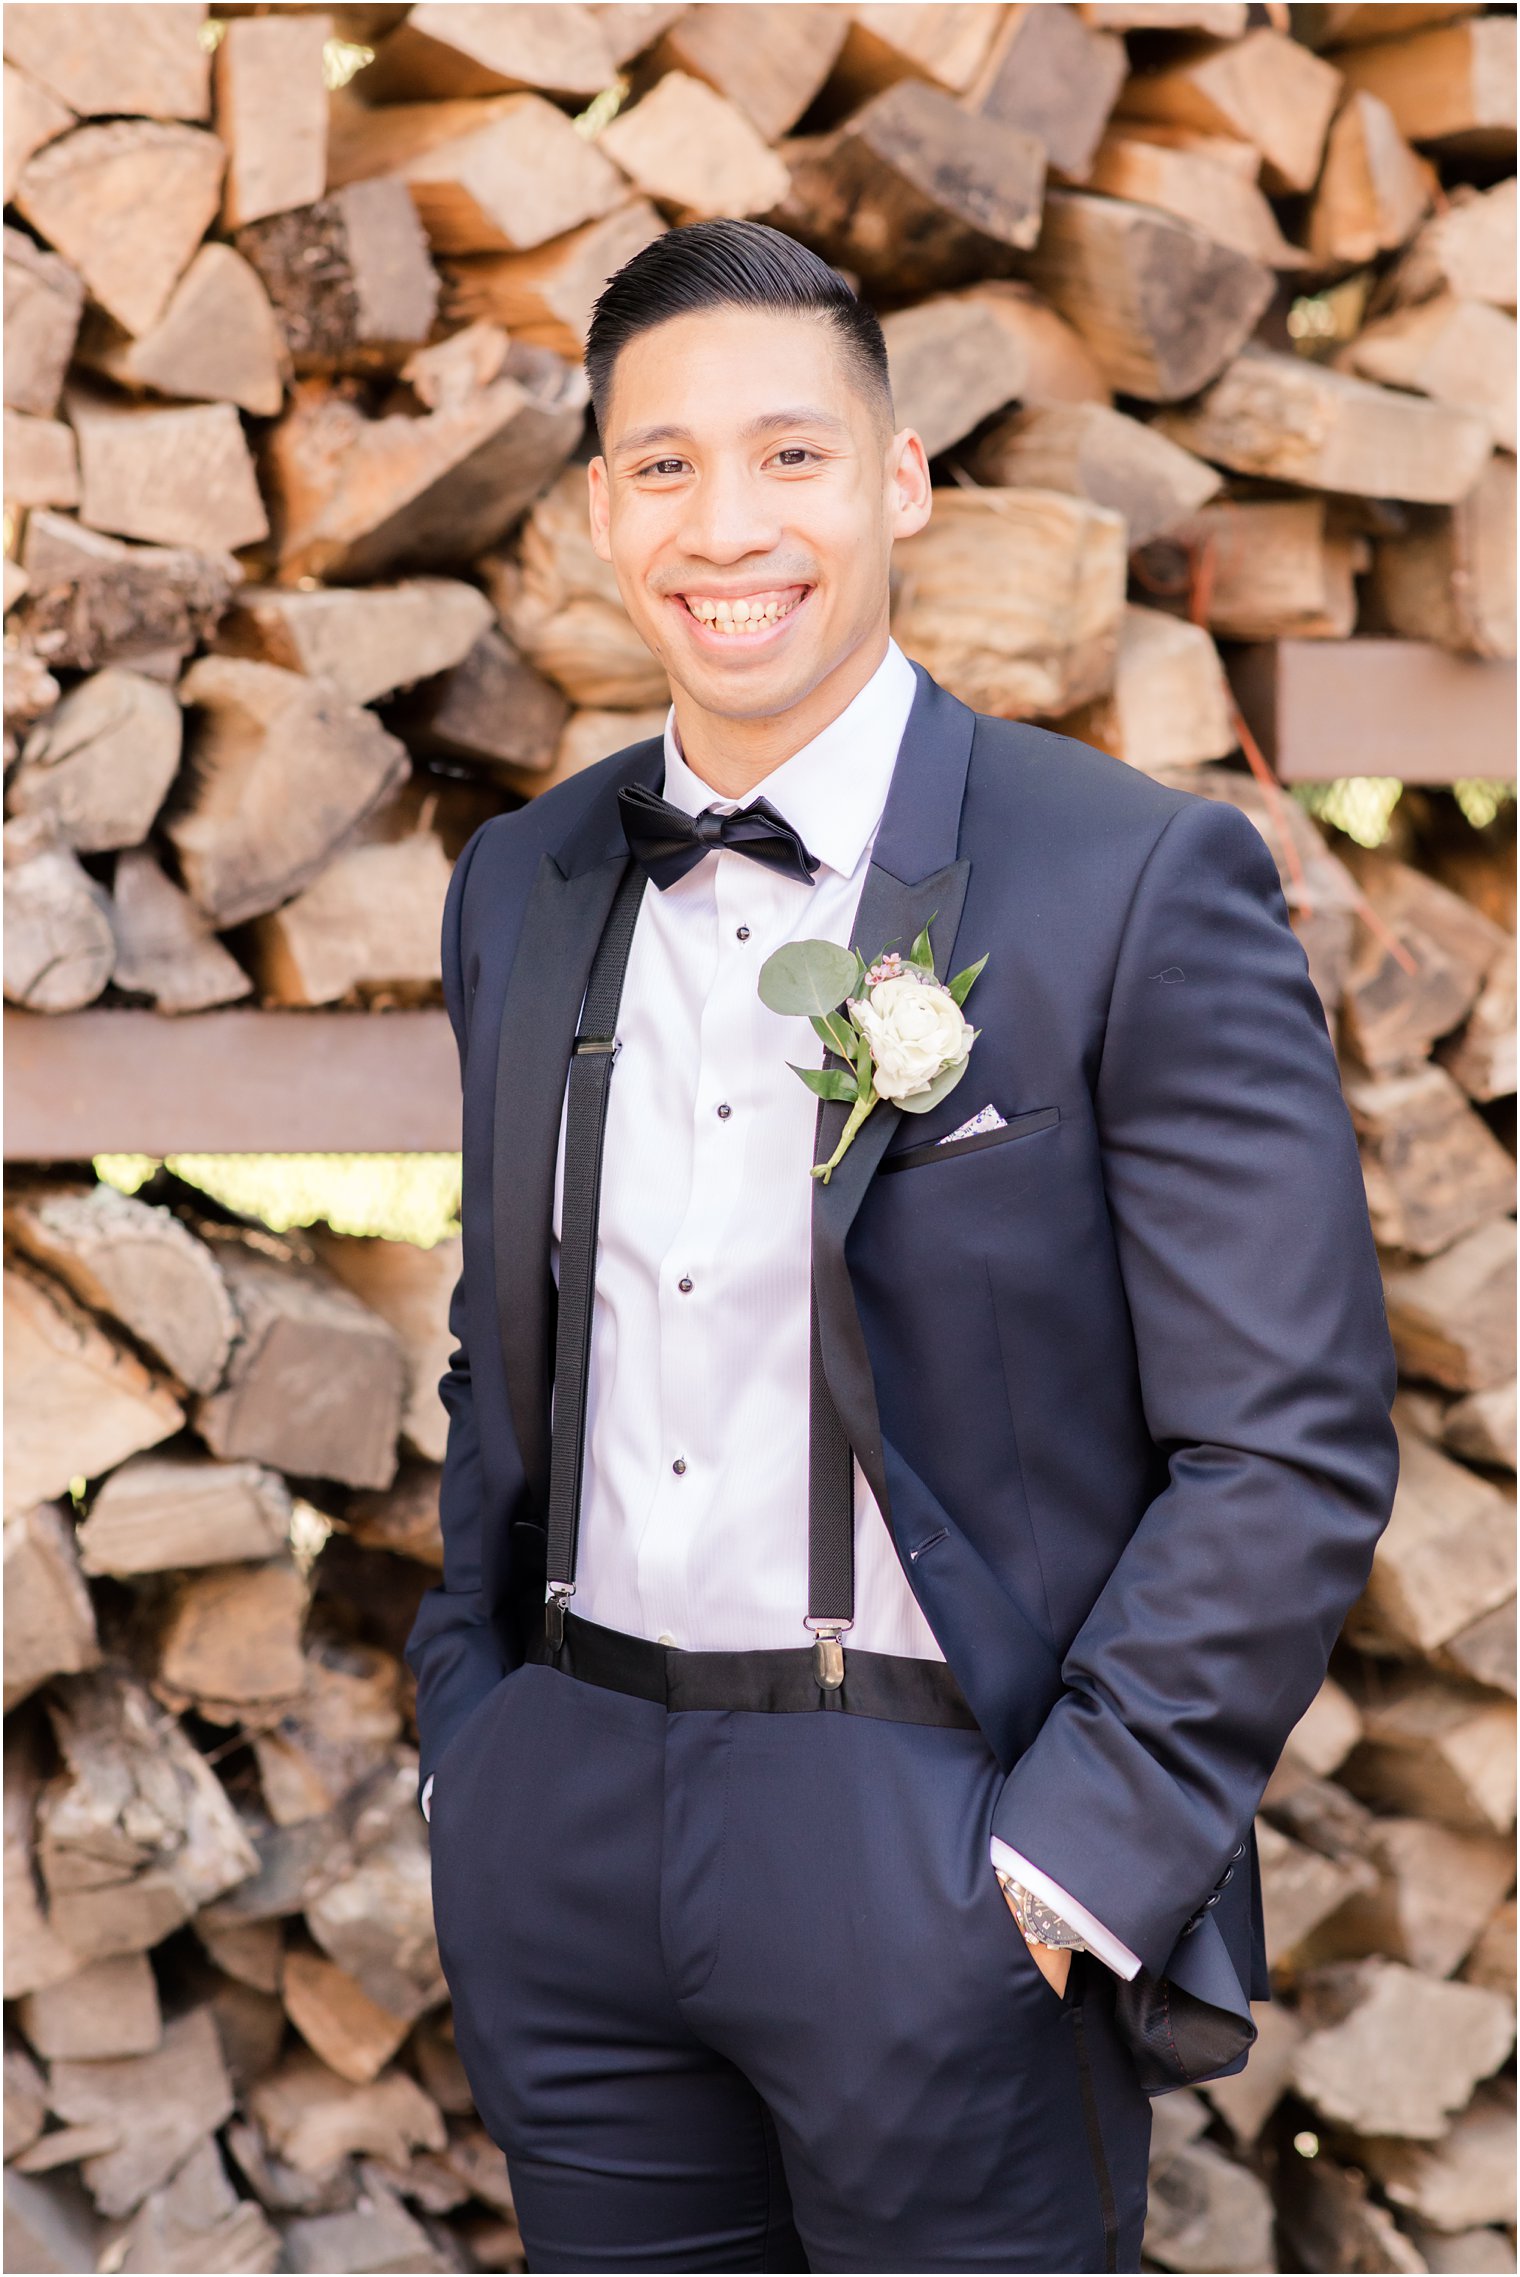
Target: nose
<point x="728" y="516"/>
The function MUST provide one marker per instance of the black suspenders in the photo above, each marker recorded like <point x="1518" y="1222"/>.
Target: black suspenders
<point x="831" y="1499"/>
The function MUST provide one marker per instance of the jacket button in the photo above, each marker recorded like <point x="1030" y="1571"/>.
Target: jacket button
<point x="1214" y="1900"/>
<point x="1227" y="1876"/>
<point x="1239" y="1850"/>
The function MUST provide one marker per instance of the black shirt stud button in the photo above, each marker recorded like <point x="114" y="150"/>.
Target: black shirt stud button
<point x="679" y="1465"/>
<point x="724" y="1111"/>
<point x="684" y="1284"/>
<point x="742" y="934"/>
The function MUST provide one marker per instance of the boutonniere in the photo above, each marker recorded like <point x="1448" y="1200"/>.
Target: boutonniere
<point x="900" y="1033"/>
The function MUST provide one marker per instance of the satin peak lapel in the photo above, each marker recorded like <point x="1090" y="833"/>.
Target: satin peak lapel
<point x="566" y="913"/>
<point x="915" y="876"/>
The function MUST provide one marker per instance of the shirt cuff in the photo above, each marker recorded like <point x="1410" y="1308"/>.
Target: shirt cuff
<point x="1102" y="1941"/>
<point x="427" y="1800"/>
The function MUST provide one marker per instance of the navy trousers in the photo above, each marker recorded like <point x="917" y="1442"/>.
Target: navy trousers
<point x="739" y="1990"/>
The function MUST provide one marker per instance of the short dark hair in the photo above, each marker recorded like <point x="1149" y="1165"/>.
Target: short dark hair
<point x="730" y="264"/>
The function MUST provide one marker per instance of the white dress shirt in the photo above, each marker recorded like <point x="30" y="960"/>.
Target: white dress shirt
<point x="694" y="1508"/>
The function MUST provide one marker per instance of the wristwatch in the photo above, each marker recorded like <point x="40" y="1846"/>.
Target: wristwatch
<point x="1040" y="1925"/>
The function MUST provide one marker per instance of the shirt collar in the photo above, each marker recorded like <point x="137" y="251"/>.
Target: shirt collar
<point x="832" y="791"/>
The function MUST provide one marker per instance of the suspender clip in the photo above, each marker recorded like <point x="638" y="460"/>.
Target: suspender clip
<point x="828" y="1653"/>
<point x="610" y="1044"/>
<point x="560" y="1594"/>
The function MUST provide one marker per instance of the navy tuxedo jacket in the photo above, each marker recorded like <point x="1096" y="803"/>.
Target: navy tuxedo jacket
<point x="1120" y="1379"/>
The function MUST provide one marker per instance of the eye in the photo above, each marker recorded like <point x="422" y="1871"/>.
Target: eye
<point x="662" y="466"/>
<point x="795" y="452"/>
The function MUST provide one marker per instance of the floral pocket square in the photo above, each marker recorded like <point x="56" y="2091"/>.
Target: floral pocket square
<point x="987" y="1119"/>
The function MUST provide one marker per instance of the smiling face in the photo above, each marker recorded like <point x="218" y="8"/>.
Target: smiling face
<point x="748" y="499"/>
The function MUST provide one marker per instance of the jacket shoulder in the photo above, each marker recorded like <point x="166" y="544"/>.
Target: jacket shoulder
<point x="1040" y="774"/>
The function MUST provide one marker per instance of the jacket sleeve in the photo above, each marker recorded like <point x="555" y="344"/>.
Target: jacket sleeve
<point x="453" y="1650"/>
<point x="1266" y="1372"/>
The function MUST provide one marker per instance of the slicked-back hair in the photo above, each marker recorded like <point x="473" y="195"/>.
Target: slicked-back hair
<point x="731" y="264"/>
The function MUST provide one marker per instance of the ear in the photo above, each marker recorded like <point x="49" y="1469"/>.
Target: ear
<point x="910" y="494"/>
<point x="599" y="503"/>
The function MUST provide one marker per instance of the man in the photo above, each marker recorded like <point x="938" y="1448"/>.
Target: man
<point x="718" y="1830"/>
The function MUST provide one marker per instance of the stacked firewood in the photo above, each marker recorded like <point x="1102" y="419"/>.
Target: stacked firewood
<point x="1205" y="314"/>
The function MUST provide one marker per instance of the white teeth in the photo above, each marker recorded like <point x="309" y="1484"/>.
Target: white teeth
<point x="732" y="616"/>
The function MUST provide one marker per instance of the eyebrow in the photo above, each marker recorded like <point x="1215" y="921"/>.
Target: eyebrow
<point x="768" y="423"/>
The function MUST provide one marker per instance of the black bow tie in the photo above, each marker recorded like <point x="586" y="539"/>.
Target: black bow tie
<point x="668" y="841"/>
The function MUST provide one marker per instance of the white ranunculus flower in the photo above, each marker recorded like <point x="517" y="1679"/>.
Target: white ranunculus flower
<point x="915" y="1030"/>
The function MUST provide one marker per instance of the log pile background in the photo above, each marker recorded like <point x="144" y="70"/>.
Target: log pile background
<point x="1206" y="315"/>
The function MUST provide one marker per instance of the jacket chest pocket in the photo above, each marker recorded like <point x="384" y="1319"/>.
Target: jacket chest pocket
<point x="949" y="1150"/>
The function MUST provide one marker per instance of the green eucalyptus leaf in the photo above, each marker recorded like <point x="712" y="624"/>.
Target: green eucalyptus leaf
<point x="828" y="1082"/>
<point x="940" y="1088"/>
<point x="807" y="977"/>
<point x="921" y="953"/>
<point x="963" y="980"/>
<point x="836" y="1032"/>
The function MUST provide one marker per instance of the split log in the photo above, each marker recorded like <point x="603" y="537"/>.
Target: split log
<point x="137" y="1833"/>
<point x="1391" y="1016"/>
<point x="197" y="2222"/>
<point x="1204" y="2210"/>
<point x="1451" y="87"/>
<point x="1434" y="1892"/>
<point x="444" y="48"/>
<point x="1449" y="575"/>
<point x="769" y="60"/>
<point x="695" y="153"/>
<point x="35" y="1955"/>
<point x="310" y="2116"/>
<point x="1013" y="599"/>
<point x="499" y="175"/>
<point x="1324" y="1735"/>
<point x="50" y="2225"/>
<point x="913" y="193"/>
<point x="316" y="1381"/>
<point x="1357" y="26"/>
<point x="1433" y="1169"/>
<point x="442" y="2074"/>
<point x="1212" y="186"/>
<point x="1482" y="1427"/>
<point x="357" y="497"/>
<point x="1492" y="1959"/>
<point x="1446" y="1556"/>
<point x="230" y="1643"/>
<point x="631" y="26"/>
<point x="1169" y="706"/>
<point x="1266" y="89"/>
<point x="59" y="947"/>
<point x="1392" y="2052"/>
<point x="1278" y="568"/>
<point x="377" y="2233"/>
<point x="1221" y="19"/>
<point x="1057" y="364"/>
<point x="1455" y="351"/>
<point x="588" y="736"/>
<point x="1097" y="453"/>
<point x="100" y="765"/>
<point x="32" y="117"/>
<point x="370" y="922"/>
<point x="904" y="39"/>
<point x="402" y="1517"/>
<point x="283" y="773"/>
<point x="1373" y="191"/>
<point x="1453" y="1316"/>
<point x="1101" y="262"/>
<point x="1329" y="2219"/>
<point x="348" y="278"/>
<point x="1466" y="2178"/>
<point x="338" y="1733"/>
<point x="139" y="58"/>
<point x="1302" y="1888"/>
<point x="77" y="1403"/>
<point x="1484" y="1652"/>
<point x="127" y="205"/>
<point x="409" y="1287"/>
<point x="492" y="711"/>
<point x="545" y="297"/>
<point x="253" y="1954"/>
<point x="364" y="642"/>
<point x="216" y="342"/>
<point x="166" y="948"/>
<point x="1288" y="420"/>
<point x="375" y="1919"/>
<point x="44" y="299"/>
<point x="25" y="2102"/>
<point x="30" y="690"/>
<point x="109" y="2009"/>
<point x="289" y="1862"/>
<point x="1247" y="2100"/>
<point x="1468" y="248"/>
<point x="177" y="475"/>
<point x="161" y="2105"/>
<point x="952" y="365"/>
<point x="93" y="601"/>
<point x="1439" y="1750"/>
<point x="41" y="461"/>
<point x="49" y="1620"/>
<point x="560" y="605"/>
<point x="1055" y="77"/>
<point x="271" y="114"/>
<point x="351" y="2033"/>
<point x="158" y="1513"/>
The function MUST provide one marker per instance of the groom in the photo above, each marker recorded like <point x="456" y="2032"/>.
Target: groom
<point x="873" y="1652"/>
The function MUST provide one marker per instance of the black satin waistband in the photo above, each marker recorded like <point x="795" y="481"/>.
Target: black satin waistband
<point x="894" y="1686"/>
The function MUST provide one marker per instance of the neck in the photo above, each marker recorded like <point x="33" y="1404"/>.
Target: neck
<point x="732" y="755"/>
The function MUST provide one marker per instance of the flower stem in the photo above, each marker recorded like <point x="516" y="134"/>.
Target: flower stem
<point x="864" y="1101"/>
